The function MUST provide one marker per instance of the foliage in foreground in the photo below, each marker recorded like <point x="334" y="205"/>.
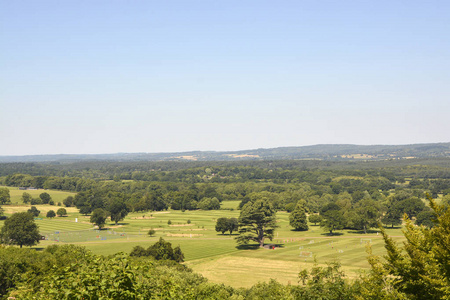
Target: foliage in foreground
<point x="161" y="250"/>
<point x="419" y="271"/>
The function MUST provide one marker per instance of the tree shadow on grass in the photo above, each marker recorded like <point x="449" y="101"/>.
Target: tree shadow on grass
<point x="227" y="234"/>
<point x="390" y="227"/>
<point x="362" y="231"/>
<point x="248" y="247"/>
<point x="120" y="223"/>
<point x="332" y="234"/>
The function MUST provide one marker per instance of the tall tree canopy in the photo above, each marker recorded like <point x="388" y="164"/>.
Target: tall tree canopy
<point x="256" y="222"/>
<point x="297" y="218"/>
<point x="20" y="229"/>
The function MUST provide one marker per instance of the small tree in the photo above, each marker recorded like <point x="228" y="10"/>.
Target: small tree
<point x="51" y="214"/>
<point x="34" y="211"/>
<point x="98" y="217"/>
<point x="36" y="201"/>
<point x="68" y="202"/>
<point x="26" y="198"/>
<point x="20" y="229"/>
<point x="5" y="197"/>
<point x="315" y="219"/>
<point x="61" y="212"/>
<point x="222" y="225"/>
<point x="151" y="232"/>
<point x="45" y="197"/>
<point x="233" y="225"/>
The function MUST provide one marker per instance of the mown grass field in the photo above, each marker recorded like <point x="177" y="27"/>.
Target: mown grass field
<point x="16" y="194"/>
<point x="210" y="253"/>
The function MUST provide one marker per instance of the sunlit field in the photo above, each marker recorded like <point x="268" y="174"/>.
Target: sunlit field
<point x="210" y="253"/>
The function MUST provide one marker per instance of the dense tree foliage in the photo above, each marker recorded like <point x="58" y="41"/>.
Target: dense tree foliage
<point x="51" y="214"/>
<point x="34" y="211"/>
<point x="98" y="217"/>
<point x="421" y="270"/>
<point x="45" y="197"/>
<point x="297" y="219"/>
<point x="256" y="222"/>
<point x="26" y="198"/>
<point x="226" y="224"/>
<point x="20" y="229"/>
<point x="5" y="197"/>
<point x="161" y="250"/>
<point x="61" y="212"/>
<point x="332" y="218"/>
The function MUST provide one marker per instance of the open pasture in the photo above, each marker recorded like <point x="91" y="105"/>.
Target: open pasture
<point x="16" y="194"/>
<point x="212" y="254"/>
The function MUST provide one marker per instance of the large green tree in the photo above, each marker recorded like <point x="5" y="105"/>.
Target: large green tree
<point x="98" y="217"/>
<point x="118" y="210"/>
<point x="367" y="214"/>
<point x="297" y="219"/>
<point x="332" y="217"/>
<point x="393" y="216"/>
<point x="20" y="229"/>
<point x="257" y="222"/>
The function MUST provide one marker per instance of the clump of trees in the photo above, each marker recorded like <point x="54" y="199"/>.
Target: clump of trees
<point x="161" y="250"/>
<point x="226" y="224"/>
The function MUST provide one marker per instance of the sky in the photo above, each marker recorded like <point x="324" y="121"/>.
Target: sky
<point x="85" y="77"/>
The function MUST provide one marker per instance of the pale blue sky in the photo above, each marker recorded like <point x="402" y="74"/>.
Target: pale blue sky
<point x="164" y="76"/>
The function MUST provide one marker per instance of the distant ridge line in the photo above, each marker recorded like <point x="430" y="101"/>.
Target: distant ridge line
<point x="320" y="151"/>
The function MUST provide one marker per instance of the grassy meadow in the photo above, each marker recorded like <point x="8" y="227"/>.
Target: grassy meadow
<point x="207" y="252"/>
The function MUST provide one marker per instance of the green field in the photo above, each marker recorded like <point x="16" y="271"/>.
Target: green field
<point x="210" y="253"/>
<point x="16" y="194"/>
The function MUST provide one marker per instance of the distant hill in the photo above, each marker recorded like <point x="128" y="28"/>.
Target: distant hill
<point x="322" y="152"/>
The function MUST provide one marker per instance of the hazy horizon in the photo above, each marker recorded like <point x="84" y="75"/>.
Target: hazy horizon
<point x="197" y="150"/>
<point x="102" y="77"/>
